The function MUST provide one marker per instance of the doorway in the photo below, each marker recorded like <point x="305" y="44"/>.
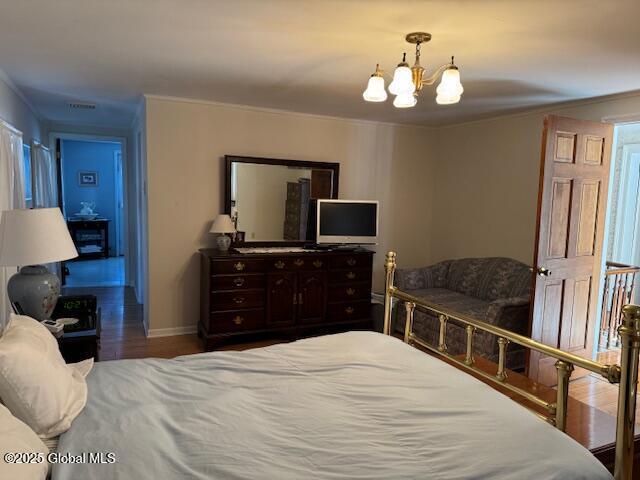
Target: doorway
<point x="622" y="268"/>
<point x="92" y="201"/>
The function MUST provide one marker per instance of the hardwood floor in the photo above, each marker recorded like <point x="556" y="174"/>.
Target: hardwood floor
<point x="596" y="391"/>
<point x="123" y="337"/>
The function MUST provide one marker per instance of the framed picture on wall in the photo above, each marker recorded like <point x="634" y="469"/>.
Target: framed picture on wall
<point x="87" y="179"/>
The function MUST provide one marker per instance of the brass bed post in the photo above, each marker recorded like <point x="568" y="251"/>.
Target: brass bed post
<point x="501" y="374"/>
<point x="564" y="370"/>
<point x="408" y="326"/>
<point x="629" y="332"/>
<point x="442" y="337"/>
<point x="389" y="268"/>
<point x="468" y="358"/>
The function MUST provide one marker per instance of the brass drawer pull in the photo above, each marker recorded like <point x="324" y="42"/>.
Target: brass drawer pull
<point x="238" y="300"/>
<point x="238" y="320"/>
<point x="351" y="261"/>
<point x="348" y="310"/>
<point x="239" y="266"/>
<point x="299" y="262"/>
<point x="351" y="275"/>
<point x="279" y="264"/>
<point x="317" y="263"/>
<point x="351" y="292"/>
<point x="238" y="282"/>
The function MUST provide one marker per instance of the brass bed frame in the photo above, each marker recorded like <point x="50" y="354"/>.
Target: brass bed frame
<point x="625" y="374"/>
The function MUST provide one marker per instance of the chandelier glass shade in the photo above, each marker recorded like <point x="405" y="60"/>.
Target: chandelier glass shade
<point x="450" y="88"/>
<point x="408" y="81"/>
<point x="402" y="83"/>
<point x="375" y="91"/>
<point x="405" y="100"/>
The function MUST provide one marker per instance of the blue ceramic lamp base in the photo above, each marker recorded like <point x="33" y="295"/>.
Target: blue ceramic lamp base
<point x="34" y="291"/>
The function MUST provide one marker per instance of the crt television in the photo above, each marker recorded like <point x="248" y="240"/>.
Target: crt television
<point x="347" y="222"/>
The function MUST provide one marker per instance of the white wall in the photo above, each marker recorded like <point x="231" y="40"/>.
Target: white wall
<point x="14" y="110"/>
<point x="186" y="142"/>
<point x="486" y="180"/>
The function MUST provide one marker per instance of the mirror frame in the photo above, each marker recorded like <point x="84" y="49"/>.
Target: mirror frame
<point x="231" y="159"/>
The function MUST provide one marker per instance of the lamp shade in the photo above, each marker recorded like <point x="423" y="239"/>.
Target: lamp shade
<point x="34" y="236"/>
<point x="375" y="91"/>
<point x="222" y="224"/>
<point x="450" y="88"/>
<point x="402" y="81"/>
<point x="406" y="100"/>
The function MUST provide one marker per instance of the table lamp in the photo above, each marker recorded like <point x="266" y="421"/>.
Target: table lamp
<point x="223" y="225"/>
<point x="29" y="238"/>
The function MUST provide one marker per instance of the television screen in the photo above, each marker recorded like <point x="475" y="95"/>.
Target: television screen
<point x="344" y="221"/>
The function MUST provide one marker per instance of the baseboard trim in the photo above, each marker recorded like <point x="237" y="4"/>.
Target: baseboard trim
<point x="169" y="332"/>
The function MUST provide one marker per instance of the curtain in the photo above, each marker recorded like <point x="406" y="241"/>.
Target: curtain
<point x="12" y="195"/>
<point x="45" y="185"/>
<point x="43" y="170"/>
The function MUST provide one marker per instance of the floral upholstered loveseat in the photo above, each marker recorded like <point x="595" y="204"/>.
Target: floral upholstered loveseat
<point x="495" y="290"/>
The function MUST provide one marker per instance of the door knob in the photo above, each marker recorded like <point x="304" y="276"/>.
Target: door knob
<point x="542" y="271"/>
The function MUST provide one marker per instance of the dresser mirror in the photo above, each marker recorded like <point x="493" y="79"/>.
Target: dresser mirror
<point x="268" y="199"/>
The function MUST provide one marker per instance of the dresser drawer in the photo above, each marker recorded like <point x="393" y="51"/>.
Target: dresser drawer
<point x="238" y="321"/>
<point x="349" y="310"/>
<point x="349" y="276"/>
<point x="237" y="300"/>
<point x="348" y="292"/>
<point x="297" y="263"/>
<point x="237" y="282"/>
<point x="355" y="260"/>
<point x="240" y="265"/>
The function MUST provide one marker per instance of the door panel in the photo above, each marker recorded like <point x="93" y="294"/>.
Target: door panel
<point x="570" y="229"/>
<point x="588" y="217"/>
<point x="311" y="297"/>
<point x="577" y="333"/>
<point x="281" y="298"/>
<point x="559" y="223"/>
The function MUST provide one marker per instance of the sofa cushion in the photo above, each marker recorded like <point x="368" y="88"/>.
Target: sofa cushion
<point x="489" y="278"/>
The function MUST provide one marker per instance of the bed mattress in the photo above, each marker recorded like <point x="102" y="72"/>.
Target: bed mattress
<point x="357" y="405"/>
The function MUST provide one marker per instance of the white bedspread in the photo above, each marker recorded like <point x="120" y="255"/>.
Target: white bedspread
<point x="357" y="405"/>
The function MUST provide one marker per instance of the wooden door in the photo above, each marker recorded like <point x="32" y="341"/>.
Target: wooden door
<point x="281" y="298"/>
<point x="570" y="229"/>
<point x="311" y="297"/>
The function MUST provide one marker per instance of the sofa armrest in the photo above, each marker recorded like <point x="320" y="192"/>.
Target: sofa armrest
<point x="510" y="313"/>
<point x="511" y="302"/>
<point x="410" y="279"/>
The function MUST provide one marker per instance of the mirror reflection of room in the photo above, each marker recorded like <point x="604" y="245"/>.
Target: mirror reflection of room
<point x="271" y="202"/>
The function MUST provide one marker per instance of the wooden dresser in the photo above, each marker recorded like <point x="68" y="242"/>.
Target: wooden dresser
<point x="290" y="294"/>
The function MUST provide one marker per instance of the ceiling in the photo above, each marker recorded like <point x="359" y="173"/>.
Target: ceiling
<point x="314" y="56"/>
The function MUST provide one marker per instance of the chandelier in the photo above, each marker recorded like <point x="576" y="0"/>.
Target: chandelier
<point x="408" y="81"/>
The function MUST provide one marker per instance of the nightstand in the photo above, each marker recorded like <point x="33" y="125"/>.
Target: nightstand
<point x="83" y="341"/>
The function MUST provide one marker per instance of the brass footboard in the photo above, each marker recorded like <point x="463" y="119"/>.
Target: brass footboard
<point x="625" y="374"/>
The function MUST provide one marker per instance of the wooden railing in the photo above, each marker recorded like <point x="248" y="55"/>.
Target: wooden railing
<point x="620" y="283"/>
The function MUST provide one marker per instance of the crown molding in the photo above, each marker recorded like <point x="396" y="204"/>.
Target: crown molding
<point x="10" y="83"/>
<point x="542" y="109"/>
<point x="277" y="111"/>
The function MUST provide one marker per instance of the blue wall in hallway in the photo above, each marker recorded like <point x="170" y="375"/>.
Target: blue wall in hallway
<point x="90" y="156"/>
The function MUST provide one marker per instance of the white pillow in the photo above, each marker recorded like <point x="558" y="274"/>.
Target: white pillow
<point x="16" y="437"/>
<point x="36" y="384"/>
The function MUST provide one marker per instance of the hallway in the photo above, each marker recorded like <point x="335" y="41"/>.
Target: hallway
<point x="101" y="272"/>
